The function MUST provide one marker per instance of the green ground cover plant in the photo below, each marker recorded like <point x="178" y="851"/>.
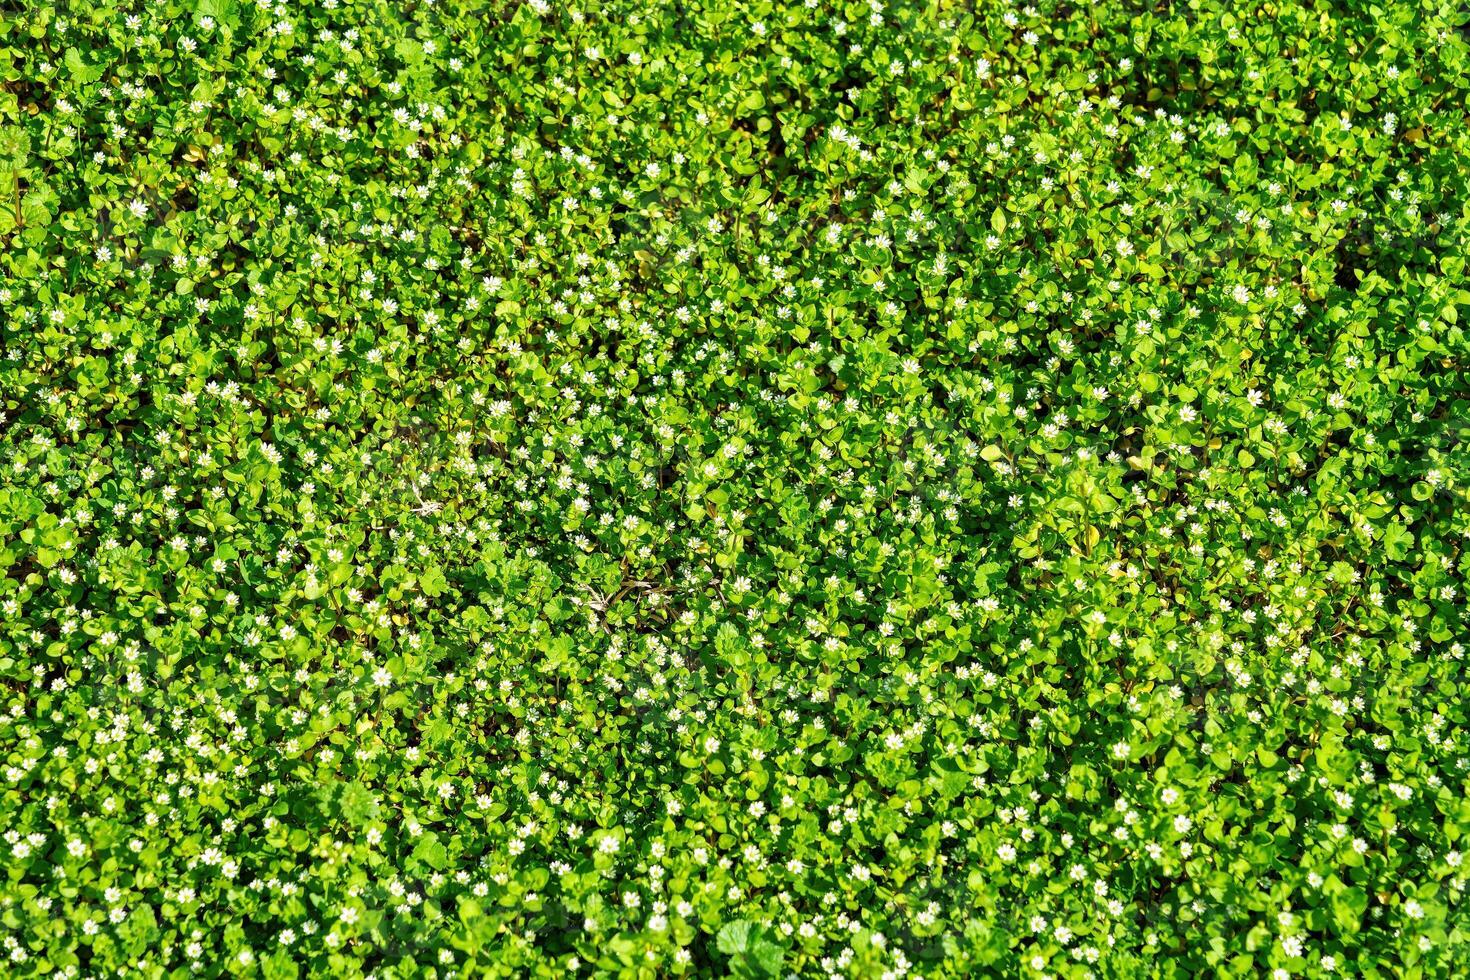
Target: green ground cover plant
<point x="733" y="488"/>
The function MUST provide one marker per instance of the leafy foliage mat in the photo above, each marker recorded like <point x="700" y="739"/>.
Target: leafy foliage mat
<point x="701" y="488"/>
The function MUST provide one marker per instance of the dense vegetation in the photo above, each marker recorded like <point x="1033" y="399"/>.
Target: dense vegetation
<point x="655" y="488"/>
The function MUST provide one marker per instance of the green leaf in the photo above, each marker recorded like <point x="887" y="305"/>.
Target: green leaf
<point x="734" y="937"/>
<point x="224" y="12"/>
<point x="80" y="70"/>
<point x="1397" y="540"/>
